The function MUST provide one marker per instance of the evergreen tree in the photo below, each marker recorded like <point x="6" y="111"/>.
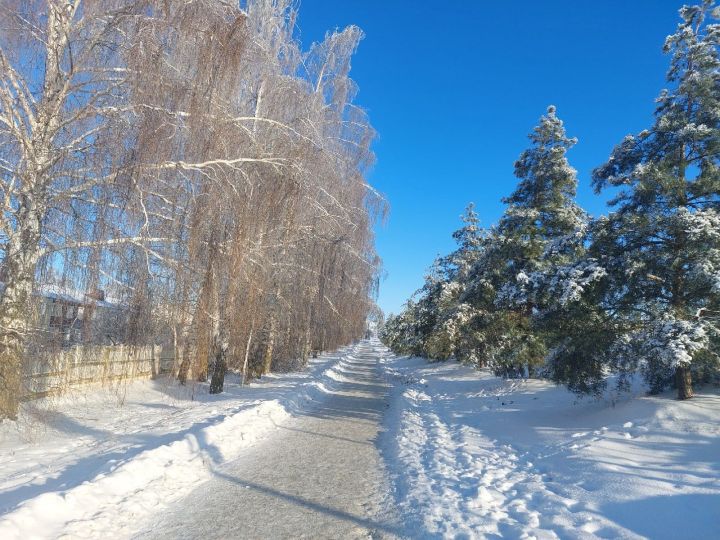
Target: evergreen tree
<point x="484" y="329"/>
<point x="469" y="238"/>
<point x="433" y="297"/>
<point x="449" y="337"/>
<point x="394" y="333"/>
<point x="661" y="245"/>
<point x="577" y="328"/>
<point x="541" y="229"/>
<point x="432" y="325"/>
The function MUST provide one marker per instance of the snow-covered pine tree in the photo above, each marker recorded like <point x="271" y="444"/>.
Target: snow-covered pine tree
<point x="449" y="337"/>
<point x="481" y="323"/>
<point x="577" y="329"/>
<point x="469" y="238"/>
<point x="662" y="242"/>
<point x="432" y="324"/>
<point x="434" y="298"/>
<point x="409" y="331"/>
<point x="538" y="232"/>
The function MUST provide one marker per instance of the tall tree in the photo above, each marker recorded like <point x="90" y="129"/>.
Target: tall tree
<point x="537" y="232"/>
<point x="196" y="140"/>
<point x="661" y="245"/>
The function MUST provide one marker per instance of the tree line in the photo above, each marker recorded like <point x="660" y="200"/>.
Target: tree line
<point x="191" y="160"/>
<point x="549" y="291"/>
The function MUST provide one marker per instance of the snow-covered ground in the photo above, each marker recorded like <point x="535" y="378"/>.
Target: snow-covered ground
<point x="469" y="455"/>
<point x="475" y="456"/>
<point x="86" y="463"/>
<point x="319" y="476"/>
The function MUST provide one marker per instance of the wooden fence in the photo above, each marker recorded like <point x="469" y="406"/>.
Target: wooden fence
<point x="55" y="373"/>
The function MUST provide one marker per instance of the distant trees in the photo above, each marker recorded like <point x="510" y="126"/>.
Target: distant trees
<point x="575" y="299"/>
<point x="189" y="159"/>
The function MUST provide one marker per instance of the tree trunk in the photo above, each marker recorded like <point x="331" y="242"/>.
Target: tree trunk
<point x="247" y="355"/>
<point x="220" y="345"/>
<point x="21" y="259"/>
<point x="219" y="369"/>
<point x="267" y="359"/>
<point x="183" y="369"/>
<point x="683" y="381"/>
<point x="307" y="345"/>
<point x="201" y="363"/>
<point x="204" y="323"/>
<point x="12" y="340"/>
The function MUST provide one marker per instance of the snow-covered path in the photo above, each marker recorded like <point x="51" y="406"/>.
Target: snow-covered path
<point x="319" y="476"/>
<point x="474" y="456"/>
<point x="364" y="444"/>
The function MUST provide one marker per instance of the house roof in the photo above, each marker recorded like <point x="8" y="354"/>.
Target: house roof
<point x="72" y="296"/>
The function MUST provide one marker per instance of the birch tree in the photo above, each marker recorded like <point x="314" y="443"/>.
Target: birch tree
<point x="196" y="140"/>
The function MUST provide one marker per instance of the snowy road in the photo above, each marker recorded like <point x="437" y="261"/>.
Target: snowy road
<point x="366" y="445"/>
<point x="319" y="476"/>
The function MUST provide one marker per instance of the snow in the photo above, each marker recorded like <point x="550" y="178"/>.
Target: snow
<point x="71" y="295"/>
<point x="319" y="476"/>
<point x="468" y="455"/>
<point x="84" y="464"/>
<point x="670" y="341"/>
<point x="480" y="457"/>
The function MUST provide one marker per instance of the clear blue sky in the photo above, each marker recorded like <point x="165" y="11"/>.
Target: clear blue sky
<point x="454" y="87"/>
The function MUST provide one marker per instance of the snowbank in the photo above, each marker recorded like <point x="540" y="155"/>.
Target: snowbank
<point x="477" y="456"/>
<point x="99" y="467"/>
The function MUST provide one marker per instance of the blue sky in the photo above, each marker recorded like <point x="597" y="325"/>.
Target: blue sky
<point x="454" y="87"/>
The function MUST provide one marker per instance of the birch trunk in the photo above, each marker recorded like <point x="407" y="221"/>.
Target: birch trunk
<point x="305" y="348"/>
<point x="23" y="250"/>
<point x="22" y="257"/>
<point x="247" y="354"/>
<point x="220" y="347"/>
<point x="219" y="342"/>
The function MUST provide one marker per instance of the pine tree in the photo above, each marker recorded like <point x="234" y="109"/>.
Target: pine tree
<point x="433" y="325"/>
<point x="482" y="329"/>
<point x="449" y="337"/>
<point x="539" y="231"/>
<point x="469" y="238"/>
<point x="428" y="308"/>
<point x="577" y="329"/>
<point x="661" y="245"/>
